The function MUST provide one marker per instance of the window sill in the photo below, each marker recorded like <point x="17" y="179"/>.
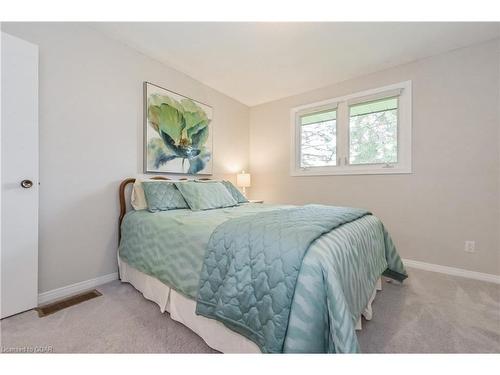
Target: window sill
<point x="350" y="171"/>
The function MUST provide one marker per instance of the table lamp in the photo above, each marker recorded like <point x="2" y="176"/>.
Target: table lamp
<point x="243" y="180"/>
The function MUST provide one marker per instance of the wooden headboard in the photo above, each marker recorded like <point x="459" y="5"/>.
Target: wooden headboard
<point x="123" y="200"/>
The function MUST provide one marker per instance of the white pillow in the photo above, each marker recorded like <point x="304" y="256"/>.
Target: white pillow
<point x="138" y="198"/>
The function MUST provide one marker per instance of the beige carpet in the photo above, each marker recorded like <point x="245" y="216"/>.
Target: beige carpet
<point x="430" y="313"/>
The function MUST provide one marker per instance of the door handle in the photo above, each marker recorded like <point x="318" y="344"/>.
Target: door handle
<point x="26" y="184"/>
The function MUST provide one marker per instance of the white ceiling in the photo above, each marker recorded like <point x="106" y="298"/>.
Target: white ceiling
<point x="260" y="62"/>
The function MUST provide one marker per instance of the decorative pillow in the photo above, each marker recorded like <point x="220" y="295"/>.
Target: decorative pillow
<point x="137" y="198"/>
<point x="205" y="196"/>
<point x="162" y="196"/>
<point x="236" y="194"/>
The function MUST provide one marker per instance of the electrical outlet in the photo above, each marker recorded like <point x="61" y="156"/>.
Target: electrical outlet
<point x="470" y="246"/>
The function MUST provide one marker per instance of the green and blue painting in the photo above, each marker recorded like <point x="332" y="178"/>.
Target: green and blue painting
<point x="178" y="136"/>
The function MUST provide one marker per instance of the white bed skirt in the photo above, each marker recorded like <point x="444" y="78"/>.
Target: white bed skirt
<point x="182" y="309"/>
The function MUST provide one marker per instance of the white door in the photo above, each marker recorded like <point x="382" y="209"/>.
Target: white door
<point x="19" y="175"/>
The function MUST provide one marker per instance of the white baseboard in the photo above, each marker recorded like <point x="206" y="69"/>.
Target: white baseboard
<point x="82" y="286"/>
<point x="452" y="271"/>
<point x="66" y="291"/>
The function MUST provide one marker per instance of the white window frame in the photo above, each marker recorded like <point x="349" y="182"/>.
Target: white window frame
<point x="341" y="104"/>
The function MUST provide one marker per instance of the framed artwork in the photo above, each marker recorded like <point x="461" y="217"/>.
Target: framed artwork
<point x="177" y="133"/>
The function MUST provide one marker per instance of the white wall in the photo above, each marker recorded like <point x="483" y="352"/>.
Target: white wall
<point x="91" y="138"/>
<point x="453" y="194"/>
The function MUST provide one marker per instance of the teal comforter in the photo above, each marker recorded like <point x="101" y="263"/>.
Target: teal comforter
<point x="332" y="283"/>
<point x="251" y="267"/>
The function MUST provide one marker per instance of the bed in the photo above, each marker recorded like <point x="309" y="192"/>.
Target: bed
<point x="191" y="264"/>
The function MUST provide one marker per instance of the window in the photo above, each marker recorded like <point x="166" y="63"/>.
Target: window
<point x="373" y="132"/>
<point x="363" y="133"/>
<point x="318" y="139"/>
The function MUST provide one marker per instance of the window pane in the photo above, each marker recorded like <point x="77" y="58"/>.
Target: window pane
<point x="318" y="135"/>
<point x="373" y="131"/>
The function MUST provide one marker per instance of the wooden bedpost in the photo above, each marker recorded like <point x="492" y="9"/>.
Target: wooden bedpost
<point x="123" y="204"/>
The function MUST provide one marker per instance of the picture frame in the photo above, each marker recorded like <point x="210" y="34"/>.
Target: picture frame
<point x="178" y="133"/>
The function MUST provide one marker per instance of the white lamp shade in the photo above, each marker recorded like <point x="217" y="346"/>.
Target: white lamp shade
<point x="243" y="180"/>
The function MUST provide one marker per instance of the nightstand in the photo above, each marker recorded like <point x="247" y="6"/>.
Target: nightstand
<point x="255" y="201"/>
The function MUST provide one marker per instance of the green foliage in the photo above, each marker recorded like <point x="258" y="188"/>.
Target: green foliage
<point x="373" y="138"/>
<point x="171" y="121"/>
<point x="199" y="138"/>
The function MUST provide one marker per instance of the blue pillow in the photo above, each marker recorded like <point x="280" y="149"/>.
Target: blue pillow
<point x="205" y="196"/>
<point x="240" y="198"/>
<point x="163" y="196"/>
